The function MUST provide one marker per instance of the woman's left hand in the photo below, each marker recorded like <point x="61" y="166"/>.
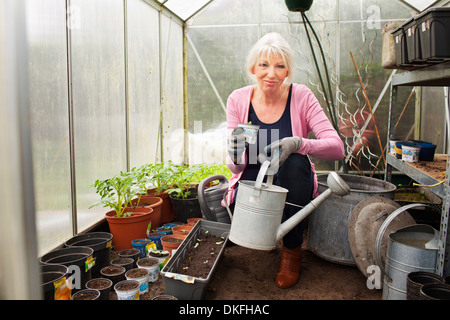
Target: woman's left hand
<point x="280" y="150"/>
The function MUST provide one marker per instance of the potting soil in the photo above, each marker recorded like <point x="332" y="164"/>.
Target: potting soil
<point x="85" y="296"/>
<point x="200" y="258"/>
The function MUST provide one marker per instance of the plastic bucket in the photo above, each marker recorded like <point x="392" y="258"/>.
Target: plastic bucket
<point x="79" y="260"/>
<point x="427" y="151"/>
<point x="165" y="230"/>
<point x="250" y="132"/>
<point x="392" y="143"/>
<point x="398" y="149"/>
<point x="86" y="294"/>
<point x="152" y="265"/>
<point x="140" y="244"/>
<point x="127" y="263"/>
<point x="162" y="256"/>
<point x="156" y="238"/>
<point x="103" y="285"/>
<point x="435" y="291"/>
<point x="186" y="208"/>
<point x="415" y="280"/>
<point x="127" y="290"/>
<point x="53" y="278"/>
<point x="410" y="152"/>
<point x="100" y="242"/>
<point x="130" y="253"/>
<point x="114" y="273"/>
<point x="140" y="275"/>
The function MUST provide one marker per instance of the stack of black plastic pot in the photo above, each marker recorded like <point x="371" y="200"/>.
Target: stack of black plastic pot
<point x="80" y="260"/>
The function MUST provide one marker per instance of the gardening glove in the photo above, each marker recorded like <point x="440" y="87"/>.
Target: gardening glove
<point x="280" y="150"/>
<point x="236" y="144"/>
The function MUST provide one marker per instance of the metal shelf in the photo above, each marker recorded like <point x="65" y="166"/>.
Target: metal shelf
<point x="437" y="75"/>
<point x="416" y="174"/>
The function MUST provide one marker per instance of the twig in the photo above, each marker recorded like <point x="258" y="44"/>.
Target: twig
<point x="370" y="107"/>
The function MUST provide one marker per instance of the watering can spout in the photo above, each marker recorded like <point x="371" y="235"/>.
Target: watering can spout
<point x="336" y="185"/>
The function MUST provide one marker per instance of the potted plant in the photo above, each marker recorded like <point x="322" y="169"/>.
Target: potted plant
<point x="159" y="177"/>
<point x="126" y="222"/>
<point x="183" y="194"/>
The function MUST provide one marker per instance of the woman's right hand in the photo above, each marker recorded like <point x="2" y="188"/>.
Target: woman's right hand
<point x="236" y="144"/>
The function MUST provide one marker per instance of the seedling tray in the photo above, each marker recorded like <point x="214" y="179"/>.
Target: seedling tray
<point x="192" y="288"/>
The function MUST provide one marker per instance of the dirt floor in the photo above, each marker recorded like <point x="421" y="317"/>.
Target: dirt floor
<point x="246" y="274"/>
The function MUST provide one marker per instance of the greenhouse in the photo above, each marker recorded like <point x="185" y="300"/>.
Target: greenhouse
<point x="114" y="105"/>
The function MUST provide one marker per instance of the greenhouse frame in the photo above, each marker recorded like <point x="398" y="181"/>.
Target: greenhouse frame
<point x="92" y="88"/>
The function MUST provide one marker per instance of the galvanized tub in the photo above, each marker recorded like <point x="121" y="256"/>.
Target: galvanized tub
<point x="328" y="224"/>
<point x="410" y="249"/>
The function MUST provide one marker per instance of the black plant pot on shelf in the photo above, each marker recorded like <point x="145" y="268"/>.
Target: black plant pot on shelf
<point x="186" y="208"/>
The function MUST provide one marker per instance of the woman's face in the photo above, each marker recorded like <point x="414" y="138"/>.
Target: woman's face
<point x="270" y="72"/>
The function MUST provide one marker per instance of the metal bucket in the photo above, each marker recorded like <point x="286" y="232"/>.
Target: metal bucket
<point x="410" y="249"/>
<point x="328" y="224"/>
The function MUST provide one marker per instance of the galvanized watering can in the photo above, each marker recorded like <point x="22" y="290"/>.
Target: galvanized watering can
<point x="256" y="221"/>
<point x="409" y="249"/>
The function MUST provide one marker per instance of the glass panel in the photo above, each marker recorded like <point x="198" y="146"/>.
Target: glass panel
<point x="369" y="10"/>
<point x="207" y="117"/>
<point x="46" y="23"/>
<point x="172" y="102"/>
<point x="143" y="82"/>
<point x="184" y="9"/>
<point x="342" y="26"/>
<point x="319" y="11"/>
<point x="420" y="5"/>
<point x="221" y="12"/>
<point x="98" y="75"/>
<point x="432" y="118"/>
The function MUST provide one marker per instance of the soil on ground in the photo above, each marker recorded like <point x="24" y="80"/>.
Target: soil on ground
<point x="247" y="274"/>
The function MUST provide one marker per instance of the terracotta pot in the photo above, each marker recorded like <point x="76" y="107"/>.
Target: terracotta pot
<point x="153" y="202"/>
<point x="169" y="245"/>
<point x="193" y="221"/>
<point x="182" y="230"/>
<point x="167" y="212"/>
<point x="126" y="229"/>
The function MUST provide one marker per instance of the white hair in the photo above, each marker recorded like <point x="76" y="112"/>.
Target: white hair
<point x="271" y="44"/>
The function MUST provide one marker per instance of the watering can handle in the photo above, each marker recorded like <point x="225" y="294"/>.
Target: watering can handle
<point x="261" y="174"/>
<point x="226" y="204"/>
<point x="385" y="225"/>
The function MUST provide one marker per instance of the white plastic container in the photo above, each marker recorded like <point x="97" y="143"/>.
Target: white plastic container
<point x="153" y="271"/>
<point x="392" y="146"/>
<point x="410" y="153"/>
<point x="132" y="294"/>
<point x="250" y="132"/>
<point x="143" y="281"/>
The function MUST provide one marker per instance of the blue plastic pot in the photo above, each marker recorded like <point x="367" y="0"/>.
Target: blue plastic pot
<point x="156" y="238"/>
<point x="427" y="151"/>
<point x="164" y="231"/>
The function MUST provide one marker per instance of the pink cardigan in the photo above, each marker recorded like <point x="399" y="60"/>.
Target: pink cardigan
<point x="306" y="116"/>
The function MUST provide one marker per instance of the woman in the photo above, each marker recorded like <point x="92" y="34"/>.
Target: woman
<point x="286" y="113"/>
